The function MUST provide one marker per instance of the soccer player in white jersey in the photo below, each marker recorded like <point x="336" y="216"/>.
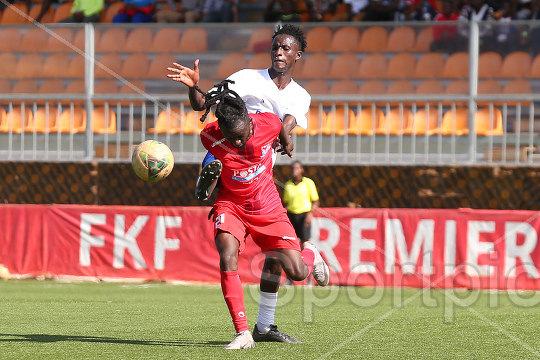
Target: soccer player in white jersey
<point x="268" y="90"/>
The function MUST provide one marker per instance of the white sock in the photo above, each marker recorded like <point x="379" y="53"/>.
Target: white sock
<point x="267" y="311"/>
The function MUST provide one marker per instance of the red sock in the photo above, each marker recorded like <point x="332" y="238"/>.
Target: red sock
<point x="308" y="256"/>
<point x="231" y="286"/>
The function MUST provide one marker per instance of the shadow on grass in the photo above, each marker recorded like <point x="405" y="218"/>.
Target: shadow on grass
<point x="44" y="338"/>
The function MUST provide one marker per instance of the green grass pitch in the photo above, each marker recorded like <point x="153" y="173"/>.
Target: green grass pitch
<point x="58" y="320"/>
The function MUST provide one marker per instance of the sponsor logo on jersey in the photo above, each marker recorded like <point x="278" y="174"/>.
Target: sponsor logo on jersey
<point x="219" y="220"/>
<point x="264" y="149"/>
<point x="249" y="173"/>
<point x="218" y="142"/>
<point x="288" y="238"/>
<point x="241" y="314"/>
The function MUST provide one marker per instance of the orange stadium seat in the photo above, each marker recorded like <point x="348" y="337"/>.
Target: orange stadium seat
<point x="317" y="87"/>
<point x="166" y="40"/>
<point x="315" y="66"/>
<point x="488" y="121"/>
<point x="489" y="65"/>
<point x="401" y="66"/>
<point x="76" y="87"/>
<point x="33" y="40"/>
<point x="424" y="40"/>
<point x="429" y="65"/>
<point x="111" y="10"/>
<point x="44" y="120"/>
<point x="2" y="118"/>
<point x="518" y="86"/>
<point x="103" y="121"/>
<point x="158" y="66"/>
<point x="15" y="13"/>
<point x="535" y="67"/>
<point x="76" y="67"/>
<point x="71" y="120"/>
<point x="374" y="38"/>
<point x="106" y="87"/>
<point x="10" y="39"/>
<point x="338" y="121"/>
<point x="260" y="40"/>
<point x="5" y="86"/>
<point x="52" y="87"/>
<point x="429" y="87"/>
<point x="516" y="65"/>
<point x="259" y="61"/>
<point x="46" y="18"/>
<point x="62" y="12"/>
<point x="194" y="40"/>
<point x="397" y="121"/>
<point x="79" y="38"/>
<point x="488" y="87"/>
<point x="19" y="119"/>
<point x="230" y="64"/>
<point x="9" y="65"/>
<point x="112" y="40"/>
<point x="372" y="87"/>
<point x="367" y="121"/>
<point x="136" y="66"/>
<point x="345" y="39"/>
<point x="192" y="123"/>
<point x="108" y="66"/>
<point x="55" y="66"/>
<point x="169" y="121"/>
<point x="424" y="121"/>
<point x="29" y="66"/>
<point x="133" y="87"/>
<point x="319" y="39"/>
<point x="60" y="40"/>
<point x="402" y="38"/>
<point x="456" y="66"/>
<point x="139" y="40"/>
<point x="347" y="87"/>
<point x="372" y="66"/>
<point x="400" y="87"/>
<point x="457" y="87"/>
<point x="344" y="66"/>
<point x="455" y="122"/>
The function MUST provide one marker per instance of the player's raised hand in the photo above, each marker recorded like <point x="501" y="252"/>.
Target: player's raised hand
<point x="190" y="77"/>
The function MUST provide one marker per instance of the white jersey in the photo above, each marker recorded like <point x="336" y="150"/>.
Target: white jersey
<point x="261" y="94"/>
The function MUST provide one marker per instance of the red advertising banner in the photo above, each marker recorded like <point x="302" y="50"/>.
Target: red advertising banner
<point x="367" y="247"/>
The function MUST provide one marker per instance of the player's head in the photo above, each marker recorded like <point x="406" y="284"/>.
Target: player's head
<point x="288" y="44"/>
<point x="297" y="170"/>
<point x="231" y="113"/>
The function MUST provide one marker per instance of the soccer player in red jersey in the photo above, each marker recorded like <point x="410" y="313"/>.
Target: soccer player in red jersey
<point x="248" y="202"/>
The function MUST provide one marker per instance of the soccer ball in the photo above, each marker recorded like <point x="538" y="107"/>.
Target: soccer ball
<point x="152" y="160"/>
<point x="4" y="273"/>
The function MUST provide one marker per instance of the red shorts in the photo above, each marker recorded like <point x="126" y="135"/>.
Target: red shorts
<point x="269" y="231"/>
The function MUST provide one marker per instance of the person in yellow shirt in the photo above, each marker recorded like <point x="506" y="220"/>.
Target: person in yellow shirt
<point x="300" y="197"/>
<point x="85" y="11"/>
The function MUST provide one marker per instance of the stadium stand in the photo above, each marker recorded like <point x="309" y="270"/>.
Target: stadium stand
<point x="259" y="61"/>
<point x="516" y="65"/>
<point x="455" y="122"/>
<point x="112" y="40"/>
<point x="424" y="40"/>
<point x="316" y="119"/>
<point x="535" y="67"/>
<point x="260" y="40"/>
<point x="317" y="87"/>
<point x="60" y="40"/>
<point x="62" y="12"/>
<point x="44" y="120"/>
<point x="136" y="66"/>
<point x="429" y="66"/>
<point x="72" y="120"/>
<point x="46" y="18"/>
<point x="9" y="64"/>
<point x="367" y="121"/>
<point x="16" y="13"/>
<point x="52" y="87"/>
<point x="108" y="66"/>
<point x="425" y="121"/>
<point x="456" y="66"/>
<point x="103" y="120"/>
<point x="344" y="87"/>
<point x="344" y="66"/>
<point x="26" y="86"/>
<point x="194" y="40"/>
<point x="139" y="40"/>
<point x="166" y="40"/>
<point x="338" y="121"/>
<point x="33" y="40"/>
<point x="488" y="121"/>
<point x="158" y="66"/>
<point x="489" y="65"/>
<point x="18" y="119"/>
<point x="315" y="66"/>
<point x="397" y="121"/>
<point x="230" y="64"/>
<point x="169" y="121"/>
<point x="76" y="67"/>
<point x="55" y="66"/>
<point x="372" y="66"/>
<point x="111" y="11"/>
<point x="10" y="39"/>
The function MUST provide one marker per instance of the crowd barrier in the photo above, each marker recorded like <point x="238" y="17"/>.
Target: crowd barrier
<point x="474" y="249"/>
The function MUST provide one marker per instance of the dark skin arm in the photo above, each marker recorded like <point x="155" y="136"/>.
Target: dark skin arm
<point x="289" y="123"/>
<point x="190" y="78"/>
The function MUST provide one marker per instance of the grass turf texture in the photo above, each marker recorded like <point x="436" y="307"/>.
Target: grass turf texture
<point x="55" y="320"/>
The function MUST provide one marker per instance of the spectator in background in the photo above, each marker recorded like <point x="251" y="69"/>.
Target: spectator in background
<point x="480" y="11"/>
<point x="535" y="29"/>
<point x="190" y="11"/>
<point x="286" y="14"/>
<point x="418" y="10"/>
<point x="355" y="10"/>
<point x="220" y="11"/>
<point x="136" y="11"/>
<point x="508" y="36"/>
<point x="444" y="36"/>
<point x="381" y="10"/>
<point x="300" y="197"/>
<point x="85" y="11"/>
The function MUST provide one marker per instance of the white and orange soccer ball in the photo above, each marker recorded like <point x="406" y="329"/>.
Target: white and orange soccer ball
<point x="152" y="160"/>
<point x="4" y="273"/>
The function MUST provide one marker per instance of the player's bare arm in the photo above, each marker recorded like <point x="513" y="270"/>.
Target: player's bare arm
<point x="190" y="78"/>
<point x="287" y="146"/>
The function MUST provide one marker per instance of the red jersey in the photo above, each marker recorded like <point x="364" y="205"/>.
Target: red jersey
<point x="247" y="176"/>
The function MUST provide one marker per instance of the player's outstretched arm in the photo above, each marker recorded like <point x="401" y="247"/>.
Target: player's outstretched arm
<point x="190" y="77"/>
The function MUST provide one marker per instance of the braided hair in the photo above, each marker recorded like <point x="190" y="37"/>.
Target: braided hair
<point x="230" y="109"/>
<point x="294" y="31"/>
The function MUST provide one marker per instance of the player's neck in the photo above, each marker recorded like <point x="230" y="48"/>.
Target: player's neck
<point x="281" y="79"/>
